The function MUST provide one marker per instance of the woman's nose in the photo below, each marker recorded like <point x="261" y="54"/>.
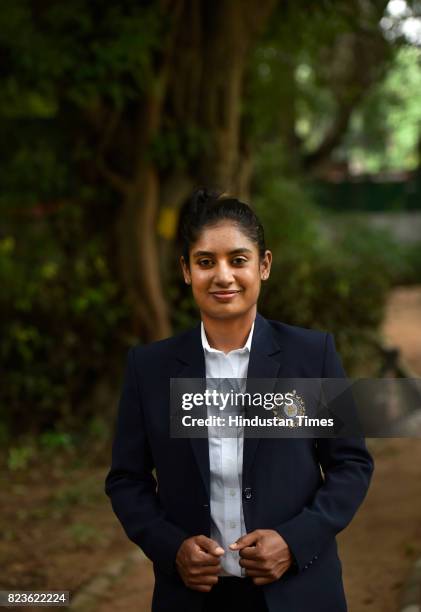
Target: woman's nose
<point x="223" y="274"/>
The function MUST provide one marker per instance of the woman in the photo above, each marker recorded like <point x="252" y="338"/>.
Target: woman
<point x="233" y="521"/>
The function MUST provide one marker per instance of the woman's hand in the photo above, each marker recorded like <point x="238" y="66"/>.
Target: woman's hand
<point x="264" y="554"/>
<point x="198" y="562"/>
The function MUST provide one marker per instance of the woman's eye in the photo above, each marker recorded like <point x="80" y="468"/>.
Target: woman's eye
<point x="206" y="263"/>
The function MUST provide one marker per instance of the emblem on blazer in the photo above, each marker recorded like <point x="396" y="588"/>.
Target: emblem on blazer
<point x="294" y="409"/>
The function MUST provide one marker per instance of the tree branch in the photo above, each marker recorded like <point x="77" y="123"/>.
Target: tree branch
<point x="118" y="182"/>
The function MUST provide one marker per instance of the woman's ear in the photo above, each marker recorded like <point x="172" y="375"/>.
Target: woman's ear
<point x="265" y="265"/>
<point x="186" y="271"/>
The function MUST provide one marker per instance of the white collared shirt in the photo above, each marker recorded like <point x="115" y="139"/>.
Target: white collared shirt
<point x="226" y="460"/>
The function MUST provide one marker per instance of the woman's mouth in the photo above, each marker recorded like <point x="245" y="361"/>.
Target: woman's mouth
<point x="224" y="296"/>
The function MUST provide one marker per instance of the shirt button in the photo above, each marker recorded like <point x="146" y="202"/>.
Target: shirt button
<point x="232" y="492"/>
<point x="233" y="524"/>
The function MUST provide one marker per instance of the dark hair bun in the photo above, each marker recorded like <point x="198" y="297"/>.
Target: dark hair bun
<point x="201" y="197"/>
<point x="207" y="207"/>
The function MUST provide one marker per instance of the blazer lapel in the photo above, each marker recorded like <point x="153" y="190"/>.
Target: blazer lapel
<point x="191" y="356"/>
<point x="261" y="365"/>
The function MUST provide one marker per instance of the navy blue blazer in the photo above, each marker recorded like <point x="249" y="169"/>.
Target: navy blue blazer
<point x="304" y="488"/>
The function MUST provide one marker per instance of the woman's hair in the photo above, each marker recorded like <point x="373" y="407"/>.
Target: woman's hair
<point x="206" y="208"/>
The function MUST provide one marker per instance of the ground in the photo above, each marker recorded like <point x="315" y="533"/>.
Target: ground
<point x="402" y="324"/>
<point x="58" y="531"/>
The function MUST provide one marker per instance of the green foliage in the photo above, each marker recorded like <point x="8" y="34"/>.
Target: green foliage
<point x="61" y="315"/>
<point x="289" y="75"/>
<point x="368" y="195"/>
<point x="19" y="457"/>
<point x="177" y="146"/>
<point x="323" y="278"/>
<point x="56" y="440"/>
<point x="411" y="272"/>
<point x="80" y="50"/>
<point x="400" y="262"/>
<point x="300" y="75"/>
<point x="184" y="313"/>
<point x="62" y="312"/>
<point x="69" y="71"/>
<point x="385" y="128"/>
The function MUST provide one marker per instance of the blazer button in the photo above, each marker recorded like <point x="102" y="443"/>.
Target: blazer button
<point x="248" y="493"/>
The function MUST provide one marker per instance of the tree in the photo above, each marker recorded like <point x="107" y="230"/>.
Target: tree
<point x="148" y="96"/>
<point x="132" y="104"/>
<point x="310" y="71"/>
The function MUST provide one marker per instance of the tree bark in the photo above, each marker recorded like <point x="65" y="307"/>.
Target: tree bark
<point x="199" y="83"/>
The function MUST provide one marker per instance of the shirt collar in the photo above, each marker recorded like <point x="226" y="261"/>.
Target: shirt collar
<point x="207" y="347"/>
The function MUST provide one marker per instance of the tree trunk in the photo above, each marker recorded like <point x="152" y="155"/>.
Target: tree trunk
<point x="196" y="86"/>
<point x="230" y="32"/>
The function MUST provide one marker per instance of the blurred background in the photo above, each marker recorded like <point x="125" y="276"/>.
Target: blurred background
<point x="110" y="115"/>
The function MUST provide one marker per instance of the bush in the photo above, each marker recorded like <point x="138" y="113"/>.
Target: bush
<point x="322" y="278"/>
<point x="61" y="316"/>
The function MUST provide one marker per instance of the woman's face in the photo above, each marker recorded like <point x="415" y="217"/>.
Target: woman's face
<point x="225" y="271"/>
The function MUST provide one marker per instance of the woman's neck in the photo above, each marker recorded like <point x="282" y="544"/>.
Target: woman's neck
<point x="228" y="334"/>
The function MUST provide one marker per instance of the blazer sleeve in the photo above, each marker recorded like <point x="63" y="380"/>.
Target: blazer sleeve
<point x="131" y="485"/>
<point x="347" y="467"/>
